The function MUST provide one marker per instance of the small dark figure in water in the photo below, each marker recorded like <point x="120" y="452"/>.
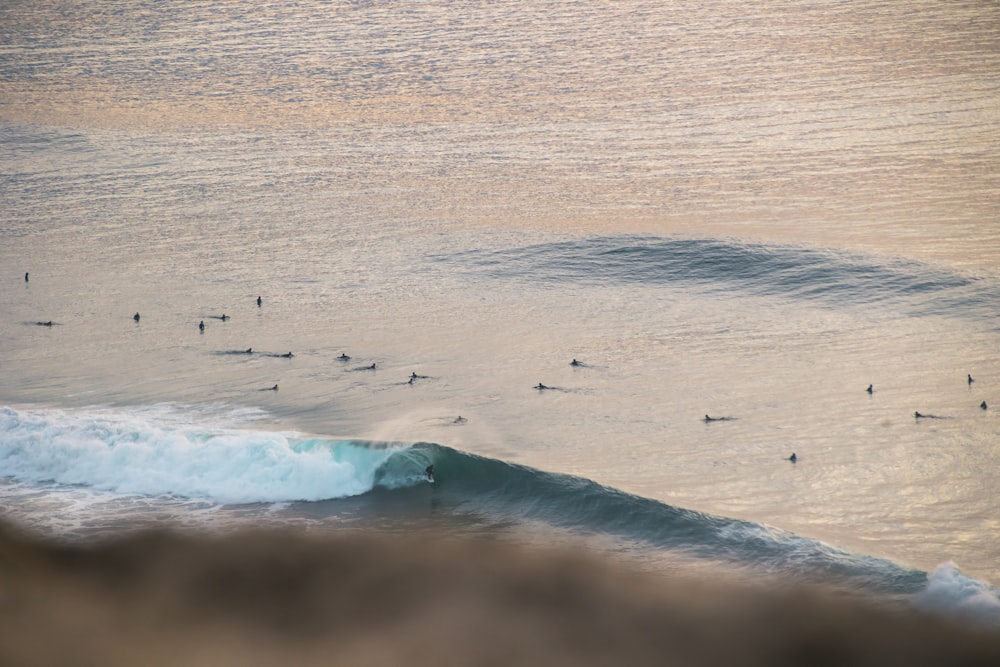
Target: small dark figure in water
<point x="224" y="317"/>
<point x="718" y="419"/>
<point x="970" y="379"/>
<point x="274" y="388"/>
<point x="201" y="326"/>
<point x="793" y="458"/>
<point x="460" y="420"/>
<point x="540" y="386"/>
<point x="429" y="472"/>
<point x="44" y="324"/>
<point x="917" y="415"/>
<point x="288" y="355"/>
<point x="259" y="302"/>
<point x="983" y="405"/>
<point x="136" y="317"/>
<point x="25" y="276"/>
<point x="869" y="389"/>
<point x="411" y="380"/>
<point x="249" y="351"/>
<point x="344" y="357"/>
<point x="575" y="363"/>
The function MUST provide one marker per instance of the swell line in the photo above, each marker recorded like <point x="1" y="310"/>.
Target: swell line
<point x="821" y="276"/>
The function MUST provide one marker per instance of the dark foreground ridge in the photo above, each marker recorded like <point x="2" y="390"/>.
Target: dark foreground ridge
<point x="423" y="599"/>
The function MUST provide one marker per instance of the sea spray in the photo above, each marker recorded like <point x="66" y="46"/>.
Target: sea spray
<point x="132" y="454"/>
<point x="953" y="594"/>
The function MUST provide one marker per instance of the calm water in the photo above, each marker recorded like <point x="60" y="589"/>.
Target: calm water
<point x="746" y="211"/>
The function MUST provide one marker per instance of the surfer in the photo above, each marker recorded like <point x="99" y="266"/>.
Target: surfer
<point x="459" y="420"/>
<point x="344" y="357"/>
<point x="201" y="326"/>
<point x="793" y="458"/>
<point x="25" y="276"/>
<point x="429" y="473"/>
<point x="249" y="350"/>
<point x="224" y="317"/>
<point x="44" y="324"/>
<point x="970" y="379"/>
<point x="274" y="388"/>
<point x="983" y="405"/>
<point x="287" y="355"/>
<point x="869" y="389"/>
<point x="136" y="317"/>
<point x="259" y="302"/>
<point x="575" y="363"/>
<point x="540" y="387"/>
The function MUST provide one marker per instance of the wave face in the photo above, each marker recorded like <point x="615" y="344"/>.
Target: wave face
<point x="509" y="491"/>
<point x="821" y="276"/>
<point x="159" y="453"/>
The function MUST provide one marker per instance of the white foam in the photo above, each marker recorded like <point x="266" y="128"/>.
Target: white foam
<point x="955" y="595"/>
<point x="159" y="454"/>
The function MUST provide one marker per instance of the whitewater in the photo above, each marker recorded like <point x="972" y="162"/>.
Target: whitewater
<point x="752" y="214"/>
<point x="137" y="469"/>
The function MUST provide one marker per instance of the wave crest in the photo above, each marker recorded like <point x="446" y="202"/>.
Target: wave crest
<point x="139" y="454"/>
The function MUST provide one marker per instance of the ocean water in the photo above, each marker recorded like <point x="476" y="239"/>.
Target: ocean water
<point x="750" y="212"/>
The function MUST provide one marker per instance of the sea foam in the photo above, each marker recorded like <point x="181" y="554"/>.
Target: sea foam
<point x="136" y="453"/>
<point x="953" y="594"/>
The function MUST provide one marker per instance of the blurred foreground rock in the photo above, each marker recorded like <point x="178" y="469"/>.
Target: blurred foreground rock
<point x="274" y="598"/>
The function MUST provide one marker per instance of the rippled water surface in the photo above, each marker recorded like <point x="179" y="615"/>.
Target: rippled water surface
<point x="746" y="210"/>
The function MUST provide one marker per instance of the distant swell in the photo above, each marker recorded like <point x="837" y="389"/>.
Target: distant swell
<point x="823" y="276"/>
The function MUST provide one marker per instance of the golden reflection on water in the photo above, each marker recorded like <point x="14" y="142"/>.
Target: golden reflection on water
<point x="874" y="125"/>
